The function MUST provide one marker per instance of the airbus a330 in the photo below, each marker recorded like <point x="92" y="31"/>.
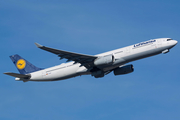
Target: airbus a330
<point x="95" y="65"/>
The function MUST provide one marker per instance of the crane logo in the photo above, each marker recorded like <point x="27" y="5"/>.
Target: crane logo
<point x="21" y="64"/>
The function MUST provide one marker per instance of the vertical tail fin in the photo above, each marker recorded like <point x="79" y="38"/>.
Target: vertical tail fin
<point x="23" y="66"/>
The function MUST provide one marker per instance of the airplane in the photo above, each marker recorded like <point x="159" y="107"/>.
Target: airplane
<point x="95" y="65"/>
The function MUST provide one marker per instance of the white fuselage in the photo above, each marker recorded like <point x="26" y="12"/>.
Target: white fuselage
<point x="122" y="56"/>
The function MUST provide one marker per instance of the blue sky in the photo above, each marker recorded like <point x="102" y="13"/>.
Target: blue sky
<point x="89" y="27"/>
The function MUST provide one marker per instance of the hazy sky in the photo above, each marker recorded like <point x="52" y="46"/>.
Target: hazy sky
<point x="151" y="92"/>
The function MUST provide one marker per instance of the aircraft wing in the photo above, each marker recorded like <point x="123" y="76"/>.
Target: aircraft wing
<point x="85" y="60"/>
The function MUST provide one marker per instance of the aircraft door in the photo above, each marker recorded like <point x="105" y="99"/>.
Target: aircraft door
<point x="159" y="43"/>
<point x="43" y="73"/>
<point x="127" y="50"/>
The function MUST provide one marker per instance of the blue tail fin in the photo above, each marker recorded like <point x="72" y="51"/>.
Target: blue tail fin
<point x="23" y="66"/>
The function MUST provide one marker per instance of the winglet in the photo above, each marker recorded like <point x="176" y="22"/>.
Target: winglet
<point x="38" y="45"/>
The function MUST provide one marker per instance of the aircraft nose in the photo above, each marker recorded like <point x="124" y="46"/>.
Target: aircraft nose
<point x="174" y="42"/>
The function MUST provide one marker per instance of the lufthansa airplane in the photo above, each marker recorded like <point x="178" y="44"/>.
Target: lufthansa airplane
<point x="95" y="65"/>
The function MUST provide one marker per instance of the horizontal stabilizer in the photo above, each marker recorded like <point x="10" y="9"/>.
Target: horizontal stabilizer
<point x="18" y="75"/>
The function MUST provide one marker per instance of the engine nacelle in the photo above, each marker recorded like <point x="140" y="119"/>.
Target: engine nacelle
<point x="104" y="60"/>
<point x="124" y="70"/>
<point x="98" y="74"/>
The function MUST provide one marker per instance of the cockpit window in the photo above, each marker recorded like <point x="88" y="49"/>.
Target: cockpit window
<point x="169" y="39"/>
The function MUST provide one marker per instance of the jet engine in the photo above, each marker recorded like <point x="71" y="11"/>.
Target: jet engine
<point x="124" y="70"/>
<point x="98" y="74"/>
<point x="104" y="60"/>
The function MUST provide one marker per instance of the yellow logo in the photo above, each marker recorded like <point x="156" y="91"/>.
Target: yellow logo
<point x="21" y="64"/>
